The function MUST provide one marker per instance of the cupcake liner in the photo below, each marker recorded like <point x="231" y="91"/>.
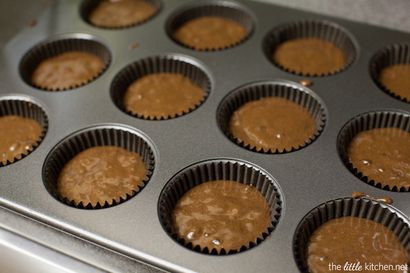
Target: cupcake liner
<point x="26" y="108"/>
<point x="103" y="135"/>
<point x="368" y="121"/>
<point x="219" y="8"/>
<point x="89" y="5"/>
<point x="159" y="64"/>
<point x="58" y="45"/>
<point x="211" y="170"/>
<point x="280" y="88"/>
<point x="360" y="207"/>
<point x="390" y="55"/>
<point x="324" y="30"/>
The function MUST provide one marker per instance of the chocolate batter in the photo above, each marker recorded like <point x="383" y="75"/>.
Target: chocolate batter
<point x="383" y="155"/>
<point x="272" y="123"/>
<point x="162" y="95"/>
<point x="101" y="174"/>
<point x="353" y="239"/>
<point x="309" y="56"/>
<point x="221" y="215"/>
<point x="210" y="33"/>
<point x="396" y="78"/>
<point x="18" y="135"/>
<point x="67" y="70"/>
<point x="121" y="13"/>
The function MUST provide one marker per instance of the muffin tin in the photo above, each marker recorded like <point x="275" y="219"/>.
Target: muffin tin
<point x="304" y="179"/>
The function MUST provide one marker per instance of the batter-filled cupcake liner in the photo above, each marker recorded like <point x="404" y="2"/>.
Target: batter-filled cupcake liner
<point x="59" y="45"/>
<point x="277" y="88"/>
<point x="368" y="121"/>
<point x="89" y="5"/>
<point x="178" y="64"/>
<point x="390" y="55"/>
<point x="323" y="30"/>
<point x="344" y="207"/>
<point x="102" y="135"/>
<point x="219" y="8"/>
<point x="26" y="108"/>
<point x="219" y="169"/>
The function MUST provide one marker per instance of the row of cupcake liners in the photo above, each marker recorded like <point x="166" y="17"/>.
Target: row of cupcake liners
<point x="312" y="102"/>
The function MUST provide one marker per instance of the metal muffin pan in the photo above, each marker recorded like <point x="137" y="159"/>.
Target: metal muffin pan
<point x="306" y="178"/>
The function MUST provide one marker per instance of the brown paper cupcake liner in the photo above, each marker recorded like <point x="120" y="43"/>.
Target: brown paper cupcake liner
<point x="160" y="64"/>
<point x="26" y="108"/>
<point x="278" y="88"/>
<point x="58" y="45"/>
<point x="368" y="121"/>
<point x="363" y="208"/>
<point x="324" y="30"/>
<point x="220" y="8"/>
<point x="390" y="55"/>
<point x="219" y="169"/>
<point x="89" y="5"/>
<point x="102" y="135"/>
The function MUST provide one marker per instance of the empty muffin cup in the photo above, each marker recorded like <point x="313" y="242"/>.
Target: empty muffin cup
<point x="161" y="87"/>
<point x="374" y="146"/>
<point x="240" y="205"/>
<point x="210" y="25"/>
<point x="99" y="167"/>
<point x="23" y="125"/>
<point x="310" y="48"/>
<point x="276" y="116"/>
<point x="118" y="14"/>
<point x="64" y="62"/>
<point x="390" y="70"/>
<point x="328" y="236"/>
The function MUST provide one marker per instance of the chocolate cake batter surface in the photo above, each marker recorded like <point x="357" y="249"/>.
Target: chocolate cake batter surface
<point x="121" y="13"/>
<point x="309" y="56"/>
<point x="210" y="33"/>
<point x="353" y="239"/>
<point x="162" y="95"/>
<point x="272" y="123"/>
<point x="221" y="215"/>
<point x="383" y="155"/>
<point x="17" y="137"/>
<point x="67" y="70"/>
<point x="396" y="78"/>
<point x="100" y="174"/>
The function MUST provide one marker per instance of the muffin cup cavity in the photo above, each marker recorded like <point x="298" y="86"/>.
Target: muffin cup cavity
<point x="59" y="45"/>
<point x="177" y="64"/>
<point x="223" y="169"/>
<point x="25" y="108"/>
<point x="279" y="88"/>
<point x="324" y="30"/>
<point x="88" y="6"/>
<point x="368" y="121"/>
<point x="218" y="8"/>
<point x="390" y="55"/>
<point x="102" y="135"/>
<point x="343" y="207"/>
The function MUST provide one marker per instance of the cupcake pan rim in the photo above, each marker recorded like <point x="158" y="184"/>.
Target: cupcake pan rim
<point x="319" y="167"/>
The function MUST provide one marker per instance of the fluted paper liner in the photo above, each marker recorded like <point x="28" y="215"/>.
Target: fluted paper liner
<point x="182" y="65"/>
<point x="277" y="88"/>
<point x="324" y="30"/>
<point x="89" y="5"/>
<point x="223" y="169"/>
<point x="59" y="45"/>
<point x="390" y="55"/>
<point x="368" y="121"/>
<point x="363" y="208"/>
<point x="219" y="8"/>
<point x="104" y="135"/>
<point x="26" y="108"/>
